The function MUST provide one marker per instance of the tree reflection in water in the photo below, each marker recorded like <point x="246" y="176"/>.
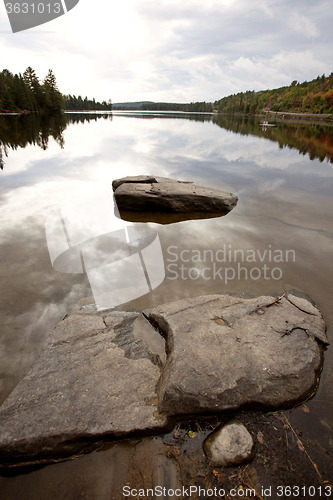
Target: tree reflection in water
<point x="2" y="163"/>
<point x="36" y="129"/>
<point x="313" y="139"/>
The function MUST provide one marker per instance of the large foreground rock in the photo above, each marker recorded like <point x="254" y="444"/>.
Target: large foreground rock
<point x="93" y="379"/>
<point x="105" y="375"/>
<point x="227" y="352"/>
<point x="147" y="193"/>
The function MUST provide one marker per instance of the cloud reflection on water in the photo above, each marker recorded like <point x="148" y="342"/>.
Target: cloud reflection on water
<point x="285" y="201"/>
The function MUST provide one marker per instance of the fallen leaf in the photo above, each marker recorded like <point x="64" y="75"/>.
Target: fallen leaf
<point x="260" y="437"/>
<point x="300" y="445"/>
<point x="176" y="450"/>
<point x="192" y="434"/>
<point x="305" y="409"/>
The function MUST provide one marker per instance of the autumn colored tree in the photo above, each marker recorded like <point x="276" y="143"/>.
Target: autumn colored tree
<point x="314" y="97"/>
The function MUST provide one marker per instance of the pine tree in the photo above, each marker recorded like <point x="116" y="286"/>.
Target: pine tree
<point x="53" y="98"/>
<point x="36" y="93"/>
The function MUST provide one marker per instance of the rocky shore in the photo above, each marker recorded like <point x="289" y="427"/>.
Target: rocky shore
<point x="98" y="378"/>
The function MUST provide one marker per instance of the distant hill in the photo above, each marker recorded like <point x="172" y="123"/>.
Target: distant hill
<point x="130" y="105"/>
<point x="315" y="96"/>
<point x="193" y="107"/>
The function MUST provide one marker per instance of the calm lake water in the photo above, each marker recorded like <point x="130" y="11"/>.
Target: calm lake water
<point x="283" y="176"/>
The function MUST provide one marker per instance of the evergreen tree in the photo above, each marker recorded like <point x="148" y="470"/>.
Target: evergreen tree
<point x="19" y="93"/>
<point x="8" y="92"/>
<point x="53" y="97"/>
<point x="73" y="103"/>
<point x="36" y="93"/>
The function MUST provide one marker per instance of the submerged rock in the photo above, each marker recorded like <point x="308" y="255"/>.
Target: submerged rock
<point x="148" y="193"/>
<point x="231" y="444"/>
<point x="227" y="352"/>
<point x="93" y="379"/>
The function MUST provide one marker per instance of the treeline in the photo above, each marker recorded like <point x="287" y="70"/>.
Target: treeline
<point x="193" y="107"/>
<point x="129" y="105"/>
<point x="315" y="96"/>
<point x="73" y="103"/>
<point x="26" y="93"/>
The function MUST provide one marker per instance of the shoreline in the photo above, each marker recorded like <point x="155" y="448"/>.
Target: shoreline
<point x="285" y="115"/>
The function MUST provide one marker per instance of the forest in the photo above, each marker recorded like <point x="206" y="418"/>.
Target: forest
<point x="193" y="107"/>
<point x="73" y="103"/>
<point x="315" y="96"/>
<point x="26" y="93"/>
<point x="19" y="93"/>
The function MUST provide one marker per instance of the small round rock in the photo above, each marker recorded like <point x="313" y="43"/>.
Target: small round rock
<point x="231" y="444"/>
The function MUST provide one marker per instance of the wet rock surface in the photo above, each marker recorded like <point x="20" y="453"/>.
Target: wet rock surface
<point x="176" y="460"/>
<point x="148" y="193"/>
<point x="104" y="375"/>
<point x="231" y="444"/>
<point x="93" y="379"/>
<point x="230" y="353"/>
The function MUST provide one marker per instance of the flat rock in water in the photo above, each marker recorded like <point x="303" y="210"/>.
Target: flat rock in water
<point x="93" y="379"/>
<point x="148" y="193"/>
<point x="231" y="444"/>
<point x="98" y="377"/>
<point x="227" y="352"/>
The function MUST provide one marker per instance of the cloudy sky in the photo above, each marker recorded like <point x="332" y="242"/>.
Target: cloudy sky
<point x="176" y="51"/>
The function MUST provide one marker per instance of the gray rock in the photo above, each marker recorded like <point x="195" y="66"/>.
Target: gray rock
<point x="227" y="352"/>
<point x="143" y="179"/>
<point x="93" y="379"/>
<point x="99" y="374"/>
<point x="231" y="444"/>
<point x="147" y="193"/>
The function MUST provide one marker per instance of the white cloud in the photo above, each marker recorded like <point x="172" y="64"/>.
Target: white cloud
<point x="176" y="51"/>
<point x="303" y="25"/>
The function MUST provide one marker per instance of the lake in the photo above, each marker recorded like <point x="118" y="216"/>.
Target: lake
<point x="283" y="177"/>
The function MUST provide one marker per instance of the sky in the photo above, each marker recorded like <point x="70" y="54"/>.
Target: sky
<point x="175" y="51"/>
